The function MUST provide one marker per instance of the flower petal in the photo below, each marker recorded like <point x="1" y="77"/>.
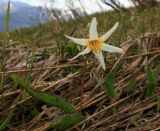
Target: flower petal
<point x="77" y="41"/>
<point x="100" y="57"/>
<point x="86" y="51"/>
<point x="111" y="48"/>
<point x="93" y="35"/>
<point x="109" y="33"/>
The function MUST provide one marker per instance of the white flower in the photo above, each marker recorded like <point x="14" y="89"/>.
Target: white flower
<point x="96" y="44"/>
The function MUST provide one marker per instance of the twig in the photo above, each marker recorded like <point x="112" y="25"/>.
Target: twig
<point x="46" y="68"/>
<point x="143" y="54"/>
<point x="10" y="93"/>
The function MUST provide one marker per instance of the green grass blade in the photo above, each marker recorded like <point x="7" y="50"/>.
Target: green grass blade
<point x="17" y="80"/>
<point x="149" y="74"/>
<point x="149" y="89"/>
<point x="7" y="120"/>
<point x="64" y="122"/>
<point x="71" y="48"/>
<point x="31" y="63"/>
<point x="7" y="17"/>
<point x="155" y="74"/>
<point x="53" y="100"/>
<point x="109" y="85"/>
<point x="152" y="80"/>
<point x="5" y="34"/>
<point x="132" y="85"/>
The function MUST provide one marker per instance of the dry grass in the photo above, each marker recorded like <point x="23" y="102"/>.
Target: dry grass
<point x="128" y="111"/>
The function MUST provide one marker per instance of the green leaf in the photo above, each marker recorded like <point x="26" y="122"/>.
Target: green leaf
<point x="19" y="81"/>
<point x="109" y="85"/>
<point x="64" y="122"/>
<point x="71" y="48"/>
<point x="7" y="120"/>
<point x="15" y="81"/>
<point x="152" y="80"/>
<point x="152" y="76"/>
<point x="132" y="85"/>
<point x="155" y="74"/>
<point x="149" y="90"/>
<point x="53" y="100"/>
<point x="149" y="74"/>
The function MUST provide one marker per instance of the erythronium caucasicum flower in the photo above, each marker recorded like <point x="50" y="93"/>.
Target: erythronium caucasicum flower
<point x="96" y="44"/>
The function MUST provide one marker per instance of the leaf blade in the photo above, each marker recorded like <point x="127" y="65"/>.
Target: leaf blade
<point x="64" y="122"/>
<point x="132" y="85"/>
<point x="7" y="120"/>
<point x="152" y="80"/>
<point x="109" y="85"/>
<point x="53" y="100"/>
<point x="149" y="74"/>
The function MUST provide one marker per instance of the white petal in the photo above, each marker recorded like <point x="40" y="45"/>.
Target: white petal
<point x="86" y="51"/>
<point x="77" y="41"/>
<point x="109" y="33"/>
<point x="111" y="48"/>
<point x="93" y="29"/>
<point x="100" y="57"/>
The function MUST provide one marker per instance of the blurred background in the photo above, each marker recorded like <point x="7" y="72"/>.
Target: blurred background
<point x="45" y="22"/>
<point x="26" y="13"/>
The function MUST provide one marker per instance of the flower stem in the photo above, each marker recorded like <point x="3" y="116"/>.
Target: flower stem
<point x="82" y="87"/>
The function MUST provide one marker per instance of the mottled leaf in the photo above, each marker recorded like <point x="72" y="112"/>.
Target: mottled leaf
<point x="109" y="85"/>
<point x="64" y="122"/>
<point x="53" y="100"/>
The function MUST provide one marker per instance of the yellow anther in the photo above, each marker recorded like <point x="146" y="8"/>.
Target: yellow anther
<point x="95" y="45"/>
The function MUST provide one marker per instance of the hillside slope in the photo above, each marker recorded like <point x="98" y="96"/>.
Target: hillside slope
<point x="22" y="15"/>
<point x="126" y="96"/>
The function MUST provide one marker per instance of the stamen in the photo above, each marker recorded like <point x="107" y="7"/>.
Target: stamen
<point x="95" y="45"/>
